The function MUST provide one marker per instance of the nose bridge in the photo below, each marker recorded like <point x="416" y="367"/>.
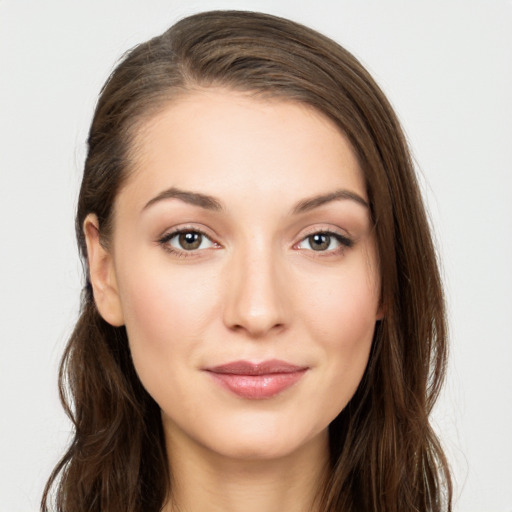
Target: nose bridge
<point x="255" y="297"/>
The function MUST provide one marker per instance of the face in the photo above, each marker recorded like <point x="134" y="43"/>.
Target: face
<point x="243" y="265"/>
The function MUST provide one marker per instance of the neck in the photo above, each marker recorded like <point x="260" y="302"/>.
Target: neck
<point x="208" y="482"/>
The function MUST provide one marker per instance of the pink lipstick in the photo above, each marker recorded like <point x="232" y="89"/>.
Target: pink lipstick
<point x="257" y="381"/>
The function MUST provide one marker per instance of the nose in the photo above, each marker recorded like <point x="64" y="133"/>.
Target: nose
<point x="256" y="295"/>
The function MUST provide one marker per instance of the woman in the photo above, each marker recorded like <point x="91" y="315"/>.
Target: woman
<point x="263" y="323"/>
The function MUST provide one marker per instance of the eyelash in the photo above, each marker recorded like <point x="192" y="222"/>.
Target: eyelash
<point x="344" y="241"/>
<point x="164" y="242"/>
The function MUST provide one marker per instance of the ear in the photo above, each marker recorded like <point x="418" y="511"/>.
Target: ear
<point x="102" y="274"/>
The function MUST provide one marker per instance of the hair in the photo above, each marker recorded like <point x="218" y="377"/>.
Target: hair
<point x="384" y="454"/>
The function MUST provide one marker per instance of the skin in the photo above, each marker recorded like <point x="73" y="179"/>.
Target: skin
<point x="254" y="290"/>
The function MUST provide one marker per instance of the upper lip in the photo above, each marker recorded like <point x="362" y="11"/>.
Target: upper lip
<point x="262" y="368"/>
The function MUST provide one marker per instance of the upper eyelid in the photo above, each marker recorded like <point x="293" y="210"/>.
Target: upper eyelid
<point x="343" y="240"/>
<point x="185" y="229"/>
<point x="327" y="229"/>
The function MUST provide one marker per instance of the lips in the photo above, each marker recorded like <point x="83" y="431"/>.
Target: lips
<point x="257" y="381"/>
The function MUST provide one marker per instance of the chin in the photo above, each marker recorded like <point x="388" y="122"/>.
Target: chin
<point x="251" y="449"/>
<point x="259" y="439"/>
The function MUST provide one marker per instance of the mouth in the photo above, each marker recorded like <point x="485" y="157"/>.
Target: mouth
<point x="257" y="381"/>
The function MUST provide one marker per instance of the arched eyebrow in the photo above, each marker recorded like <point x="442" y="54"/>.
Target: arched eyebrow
<point x="314" y="202"/>
<point x="211" y="203"/>
<point x="195" y="198"/>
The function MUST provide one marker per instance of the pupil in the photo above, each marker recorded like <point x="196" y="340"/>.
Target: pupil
<point x="320" y="241"/>
<point x="190" y="240"/>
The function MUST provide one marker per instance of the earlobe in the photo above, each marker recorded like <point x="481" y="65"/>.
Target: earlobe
<point x="102" y="274"/>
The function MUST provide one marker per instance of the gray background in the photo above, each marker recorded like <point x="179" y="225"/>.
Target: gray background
<point x="447" y="68"/>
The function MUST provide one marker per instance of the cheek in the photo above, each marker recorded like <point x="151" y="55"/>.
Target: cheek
<point x="341" y="317"/>
<point x="166" y="316"/>
<point x="342" y="307"/>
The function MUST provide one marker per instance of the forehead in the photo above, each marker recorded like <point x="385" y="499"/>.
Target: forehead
<point x="228" y="142"/>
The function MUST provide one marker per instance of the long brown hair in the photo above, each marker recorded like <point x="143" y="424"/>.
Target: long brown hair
<point x="385" y="456"/>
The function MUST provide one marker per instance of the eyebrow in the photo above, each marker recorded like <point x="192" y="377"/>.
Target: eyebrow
<point x="211" y="203"/>
<point x="194" y="198"/>
<point x="314" y="202"/>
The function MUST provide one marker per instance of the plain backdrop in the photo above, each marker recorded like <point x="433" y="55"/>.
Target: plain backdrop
<point x="446" y="67"/>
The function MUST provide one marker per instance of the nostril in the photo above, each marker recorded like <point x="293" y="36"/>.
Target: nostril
<point x="257" y="328"/>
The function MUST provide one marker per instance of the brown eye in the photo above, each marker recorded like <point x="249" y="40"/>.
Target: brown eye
<point x="325" y="241"/>
<point x="190" y="240"/>
<point x="187" y="241"/>
<point x="319" y="241"/>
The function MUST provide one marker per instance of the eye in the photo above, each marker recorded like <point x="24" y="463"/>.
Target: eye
<point x="324" y="241"/>
<point x="187" y="240"/>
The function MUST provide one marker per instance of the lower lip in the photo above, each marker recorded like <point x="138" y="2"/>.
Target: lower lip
<point x="258" y="387"/>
